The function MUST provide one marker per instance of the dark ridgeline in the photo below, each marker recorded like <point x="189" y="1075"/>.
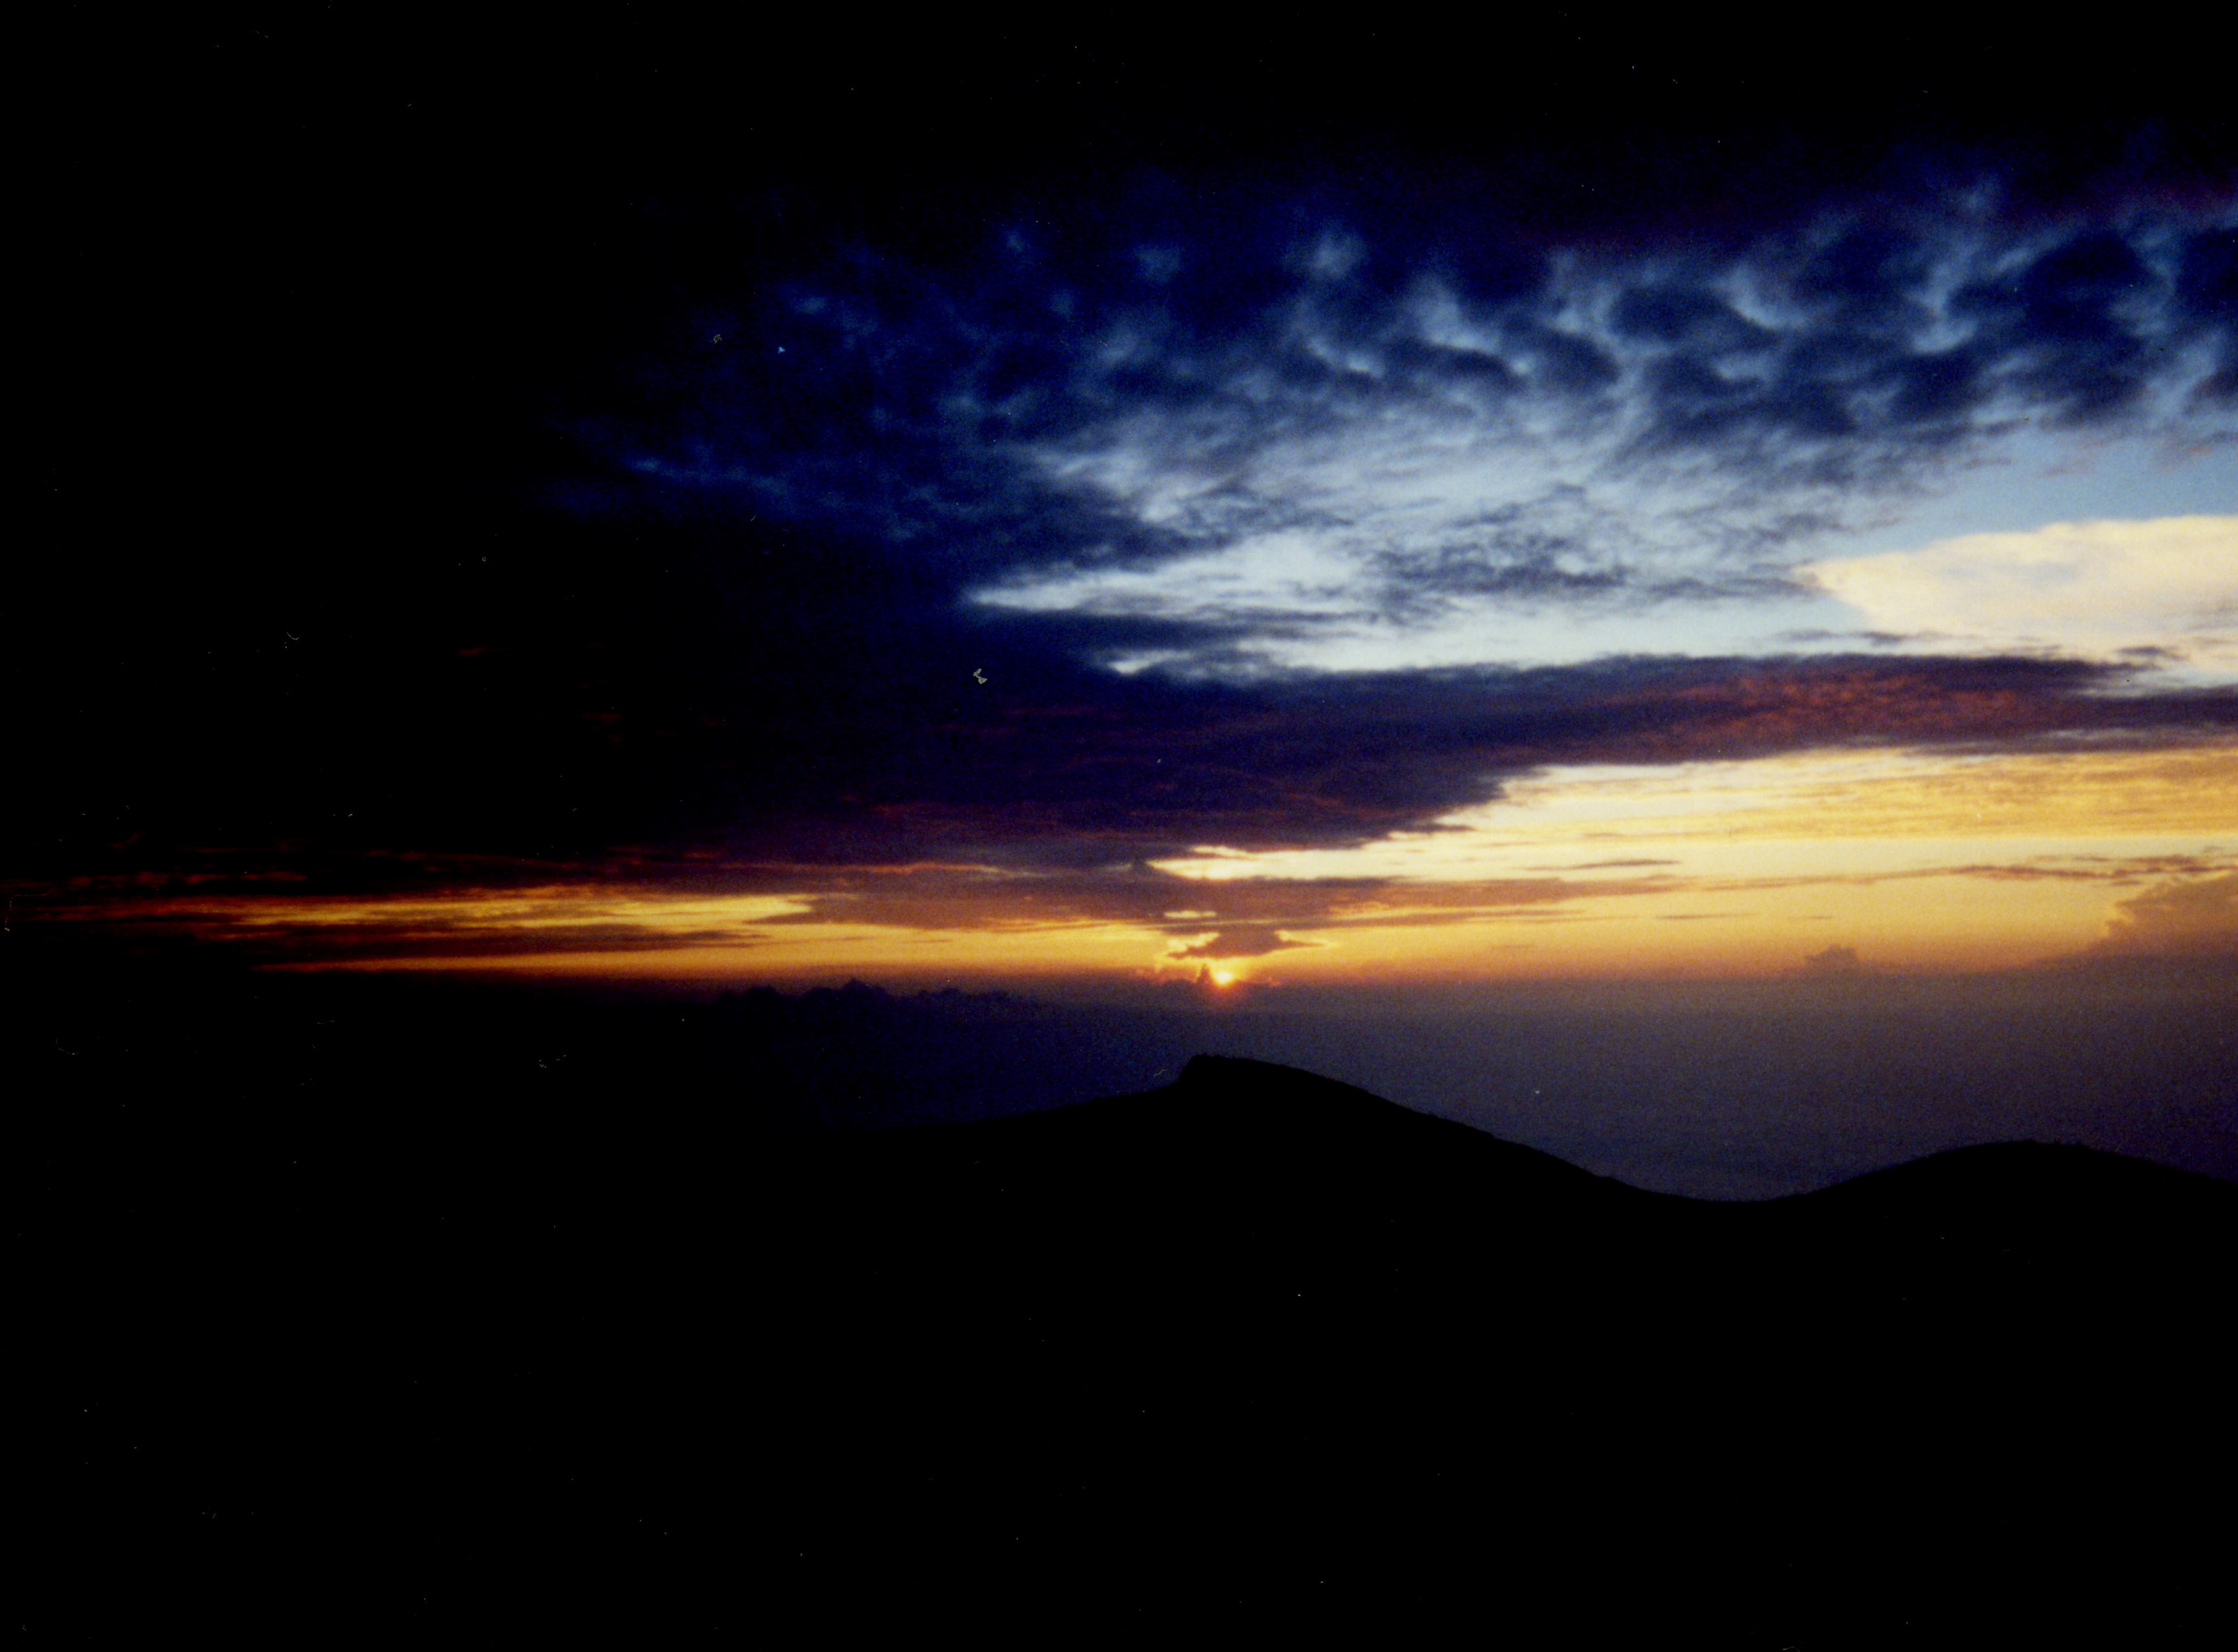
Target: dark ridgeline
<point x="1255" y="1351"/>
<point x="1262" y="1345"/>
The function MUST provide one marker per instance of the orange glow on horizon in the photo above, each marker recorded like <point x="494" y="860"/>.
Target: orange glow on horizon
<point x="1696" y="870"/>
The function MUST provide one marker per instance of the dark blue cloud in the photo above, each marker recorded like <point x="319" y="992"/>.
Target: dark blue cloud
<point x="597" y="456"/>
<point x="2207" y="287"/>
<point x="1152" y="379"/>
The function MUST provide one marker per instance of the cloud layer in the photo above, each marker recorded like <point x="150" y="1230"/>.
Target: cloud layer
<point x="1311" y="437"/>
<point x="1069" y="528"/>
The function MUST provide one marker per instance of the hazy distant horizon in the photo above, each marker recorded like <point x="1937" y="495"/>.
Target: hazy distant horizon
<point x="1719" y="1089"/>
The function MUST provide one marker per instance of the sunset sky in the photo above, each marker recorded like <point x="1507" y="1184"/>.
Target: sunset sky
<point x="1254" y="519"/>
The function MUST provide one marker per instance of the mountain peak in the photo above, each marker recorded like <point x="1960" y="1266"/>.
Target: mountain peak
<point x="1237" y="1074"/>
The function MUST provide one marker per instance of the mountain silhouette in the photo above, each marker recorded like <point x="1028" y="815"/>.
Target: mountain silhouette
<point x="1322" y="1344"/>
<point x="1257" y="1352"/>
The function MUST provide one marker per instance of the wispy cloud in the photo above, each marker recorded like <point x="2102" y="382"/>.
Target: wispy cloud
<point x="1137" y="915"/>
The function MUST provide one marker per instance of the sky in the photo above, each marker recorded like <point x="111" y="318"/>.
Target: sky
<point x="1580" y="503"/>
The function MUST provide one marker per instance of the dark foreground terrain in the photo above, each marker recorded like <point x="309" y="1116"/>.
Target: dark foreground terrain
<point x="1254" y="1353"/>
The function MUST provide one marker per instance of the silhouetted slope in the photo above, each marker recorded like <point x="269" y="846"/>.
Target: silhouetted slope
<point x="1392" y="1347"/>
<point x="1254" y="1351"/>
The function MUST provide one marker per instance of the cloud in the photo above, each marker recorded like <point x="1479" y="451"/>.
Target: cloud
<point x="1834" y="962"/>
<point x="2183" y="919"/>
<point x="1596" y="866"/>
<point x="2166" y="588"/>
<point x="1303" y="761"/>
<point x="894" y="755"/>
<point x="1241" y="944"/>
<point x="992" y="912"/>
<point x="1317" y="436"/>
<point x="1387" y="496"/>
